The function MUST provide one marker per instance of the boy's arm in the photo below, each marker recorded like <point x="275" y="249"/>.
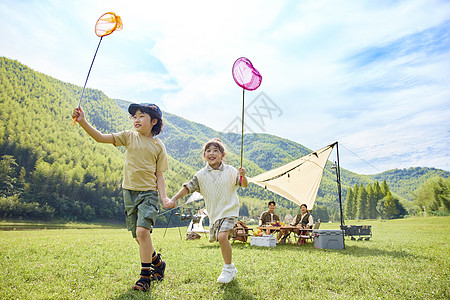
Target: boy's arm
<point x="161" y="185"/>
<point x="78" y="113"/>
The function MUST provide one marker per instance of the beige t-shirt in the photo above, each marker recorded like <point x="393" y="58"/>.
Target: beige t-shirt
<point x="144" y="157"/>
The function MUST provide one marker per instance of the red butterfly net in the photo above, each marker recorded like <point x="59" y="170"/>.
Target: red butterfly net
<point x="245" y="75"/>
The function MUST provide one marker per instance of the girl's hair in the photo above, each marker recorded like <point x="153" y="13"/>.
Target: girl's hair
<point x="216" y="143"/>
<point x="304" y="205"/>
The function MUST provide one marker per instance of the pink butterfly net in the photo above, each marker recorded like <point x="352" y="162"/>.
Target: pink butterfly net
<point x="245" y="75"/>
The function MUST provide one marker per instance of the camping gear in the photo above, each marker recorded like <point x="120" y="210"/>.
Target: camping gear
<point x="193" y="236"/>
<point x="263" y="241"/>
<point x="364" y="232"/>
<point x="298" y="180"/>
<point x="307" y="235"/>
<point x="240" y="232"/>
<point x="196" y="224"/>
<point x="328" y="239"/>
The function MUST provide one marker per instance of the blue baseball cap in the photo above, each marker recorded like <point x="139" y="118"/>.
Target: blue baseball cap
<point x="144" y="107"/>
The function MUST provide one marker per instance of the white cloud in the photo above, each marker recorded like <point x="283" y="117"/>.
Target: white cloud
<point x="180" y="54"/>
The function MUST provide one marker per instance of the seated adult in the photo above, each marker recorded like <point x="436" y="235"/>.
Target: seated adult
<point x="269" y="216"/>
<point x="302" y="221"/>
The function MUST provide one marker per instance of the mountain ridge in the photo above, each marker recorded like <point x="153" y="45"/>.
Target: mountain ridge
<point x="66" y="169"/>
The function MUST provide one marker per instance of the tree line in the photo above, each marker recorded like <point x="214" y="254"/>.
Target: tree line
<point x="375" y="201"/>
<point x="371" y="202"/>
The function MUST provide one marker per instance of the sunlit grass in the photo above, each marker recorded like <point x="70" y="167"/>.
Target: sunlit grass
<point x="407" y="258"/>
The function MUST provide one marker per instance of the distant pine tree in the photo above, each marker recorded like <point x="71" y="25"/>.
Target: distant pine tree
<point x="355" y="201"/>
<point x="362" y="203"/>
<point x="378" y="194"/>
<point x="384" y="188"/>
<point x="349" y="202"/>
<point x="390" y="208"/>
<point x="371" y="203"/>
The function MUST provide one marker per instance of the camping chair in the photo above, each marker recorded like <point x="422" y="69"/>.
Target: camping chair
<point x="303" y="238"/>
<point x="240" y="232"/>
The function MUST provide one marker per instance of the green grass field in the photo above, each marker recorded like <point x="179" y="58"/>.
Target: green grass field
<point x="405" y="259"/>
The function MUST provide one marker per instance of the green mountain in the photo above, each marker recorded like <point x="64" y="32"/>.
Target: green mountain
<point x="405" y="181"/>
<point x="56" y="170"/>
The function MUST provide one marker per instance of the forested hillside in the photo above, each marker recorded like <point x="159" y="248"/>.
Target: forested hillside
<point x="50" y="169"/>
<point x="58" y="170"/>
<point x="405" y="181"/>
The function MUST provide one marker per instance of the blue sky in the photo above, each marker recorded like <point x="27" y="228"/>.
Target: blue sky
<point x="372" y="75"/>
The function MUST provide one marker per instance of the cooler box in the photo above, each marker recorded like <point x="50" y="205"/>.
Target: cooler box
<point x="265" y="241"/>
<point x="328" y="239"/>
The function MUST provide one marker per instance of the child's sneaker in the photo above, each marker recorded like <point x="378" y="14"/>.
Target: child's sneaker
<point x="229" y="272"/>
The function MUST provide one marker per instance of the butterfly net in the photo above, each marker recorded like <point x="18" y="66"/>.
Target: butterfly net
<point x="245" y="75"/>
<point x="107" y="24"/>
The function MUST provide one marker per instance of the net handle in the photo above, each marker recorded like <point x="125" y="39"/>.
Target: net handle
<point x="87" y="77"/>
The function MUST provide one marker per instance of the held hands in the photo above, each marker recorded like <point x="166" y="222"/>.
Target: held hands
<point x="169" y="203"/>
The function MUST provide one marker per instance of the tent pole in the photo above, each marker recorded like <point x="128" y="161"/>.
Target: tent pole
<point x="338" y="178"/>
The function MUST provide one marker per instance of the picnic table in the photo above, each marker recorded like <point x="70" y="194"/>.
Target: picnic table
<point x="269" y="228"/>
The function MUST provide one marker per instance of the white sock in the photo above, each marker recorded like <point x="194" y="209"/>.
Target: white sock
<point x="229" y="266"/>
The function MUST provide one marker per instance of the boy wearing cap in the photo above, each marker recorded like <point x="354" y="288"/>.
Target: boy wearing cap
<point x="145" y="161"/>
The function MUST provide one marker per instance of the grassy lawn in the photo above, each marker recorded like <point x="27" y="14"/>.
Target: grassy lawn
<point x="405" y="258"/>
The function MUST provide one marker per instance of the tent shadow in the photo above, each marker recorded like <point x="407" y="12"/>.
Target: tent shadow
<point x="358" y="251"/>
<point x="351" y="250"/>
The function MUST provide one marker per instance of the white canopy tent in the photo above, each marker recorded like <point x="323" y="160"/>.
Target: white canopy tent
<point x="298" y="180"/>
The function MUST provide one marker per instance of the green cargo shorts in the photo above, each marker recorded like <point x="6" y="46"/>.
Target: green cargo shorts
<point x="141" y="209"/>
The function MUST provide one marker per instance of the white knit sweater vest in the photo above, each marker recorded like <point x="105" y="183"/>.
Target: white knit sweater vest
<point x="219" y="190"/>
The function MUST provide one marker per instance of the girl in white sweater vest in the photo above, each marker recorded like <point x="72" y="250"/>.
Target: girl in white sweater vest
<point x="218" y="184"/>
